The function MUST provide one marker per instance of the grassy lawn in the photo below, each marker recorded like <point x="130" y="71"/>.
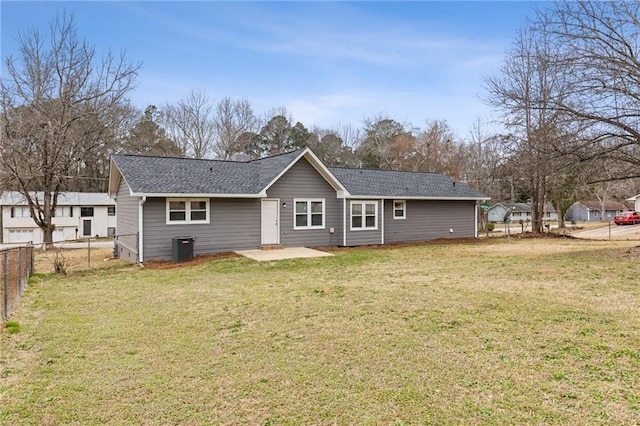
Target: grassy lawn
<point x="499" y="332"/>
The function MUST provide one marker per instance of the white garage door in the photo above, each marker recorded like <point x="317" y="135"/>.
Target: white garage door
<point x="20" y="235"/>
<point x="58" y="235"/>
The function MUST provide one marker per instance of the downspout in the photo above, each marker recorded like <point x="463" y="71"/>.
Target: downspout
<point x="344" y="222"/>
<point x="476" y="219"/>
<point x="140" y="230"/>
<point x="382" y="225"/>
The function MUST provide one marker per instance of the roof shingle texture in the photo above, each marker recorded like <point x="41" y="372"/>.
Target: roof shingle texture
<point x="160" y="175"/>
<point x="165" y="175"/>
<point x="388" y="183"/>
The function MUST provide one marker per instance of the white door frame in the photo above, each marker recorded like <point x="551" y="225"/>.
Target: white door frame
<point x="266" y="220"/>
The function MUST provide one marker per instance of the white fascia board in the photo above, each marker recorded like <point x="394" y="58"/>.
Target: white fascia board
<point x="402" y="197"/>
<point x="194" y="195"/>
<point x="114" y="178"/>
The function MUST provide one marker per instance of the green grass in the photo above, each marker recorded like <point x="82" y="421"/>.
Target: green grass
<point x="519" y="332"/>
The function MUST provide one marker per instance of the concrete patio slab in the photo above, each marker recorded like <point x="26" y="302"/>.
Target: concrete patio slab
<point x="281" y="254"/>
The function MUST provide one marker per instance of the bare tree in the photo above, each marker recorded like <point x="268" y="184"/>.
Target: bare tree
<point x="349" y="134"/>
<point x="55" y="100"/>
<point x="484" y="163"/>
<point x="437" y="151"/>
<point x="600" y="51"/>
<point x="379" y="136"/>
<point x="190" y="123"/>
<point x="524" y="92"/>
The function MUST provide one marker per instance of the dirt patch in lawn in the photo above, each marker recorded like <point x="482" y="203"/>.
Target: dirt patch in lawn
<point x="441" y="241"/>
<point x="198" y="260"/>
<point x="631" y="253"/>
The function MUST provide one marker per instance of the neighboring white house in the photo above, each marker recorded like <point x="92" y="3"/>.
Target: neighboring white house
<point x="636" y="200"/>
<point x="78" y="215"/>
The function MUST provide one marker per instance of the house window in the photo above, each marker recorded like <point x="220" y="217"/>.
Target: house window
<point x="86" y="211"/>
<point x="309" y="214"/>
<point x="399" y="209"/>
<point x="364" y="215"/>
<point x="63" y="211"/>
<point x="20" y="212"/>
<point x="184" y="210"/>
<point x="111" y="231"/>
<point x="111" y="210"/>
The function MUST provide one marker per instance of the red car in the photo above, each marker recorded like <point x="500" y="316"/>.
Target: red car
<point x="627" y="218"/>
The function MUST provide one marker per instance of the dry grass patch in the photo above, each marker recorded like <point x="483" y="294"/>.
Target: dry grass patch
<point x="74" y="259"/>
<point x="500" y="333"/>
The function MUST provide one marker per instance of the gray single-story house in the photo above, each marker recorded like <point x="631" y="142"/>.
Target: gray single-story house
<point x="518" y="211"/>
<point x="594" y="210"/>
<point x="287" y="200"/>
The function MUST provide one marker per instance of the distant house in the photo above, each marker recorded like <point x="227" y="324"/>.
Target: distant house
<point x="291" y="199"/>
<point x="592" y="210"/>
<point x="635" y="202"/>
<point x="78" y="214"/>
<point x="519" y="211"/>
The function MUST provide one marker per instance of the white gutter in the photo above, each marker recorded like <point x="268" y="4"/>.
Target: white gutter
<point x="140" y="229"/>
<point x="476" y="220"/>
<point x="195" y="195"/>
<point x="401" y="197"/>
<point x="382" y="224"/>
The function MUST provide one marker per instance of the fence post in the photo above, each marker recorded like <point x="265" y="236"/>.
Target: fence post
<point x="5" y="263"/>
<point x="89" y="253"/>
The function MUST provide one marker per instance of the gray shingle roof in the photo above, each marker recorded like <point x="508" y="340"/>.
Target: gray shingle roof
<point x="162" y="175"/>
<point x="166" y="175"/>
<point x="388" y="183"/>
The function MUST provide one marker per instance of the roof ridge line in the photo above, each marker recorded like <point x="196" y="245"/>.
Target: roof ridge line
<point x="390" y="170"/>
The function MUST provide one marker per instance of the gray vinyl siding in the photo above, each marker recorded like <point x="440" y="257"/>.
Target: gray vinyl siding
<point x="578" y="213"/>
<point x="304" y="181"/>
<point x="363" y="237"/>
<point x="429" y="220"/>
<point x="126" y="223"/>
<point x="234" y="225"/>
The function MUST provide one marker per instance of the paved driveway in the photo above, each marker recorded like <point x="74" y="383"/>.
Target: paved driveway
<point x="613" y="232"/>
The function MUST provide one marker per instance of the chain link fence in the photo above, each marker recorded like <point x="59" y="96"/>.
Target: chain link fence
<point x="16" y="264"/>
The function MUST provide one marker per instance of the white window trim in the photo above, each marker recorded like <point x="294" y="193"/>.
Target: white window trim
<point x="404" y="209"/>
<point x="364" y="227"/>
<point x="187" y="220"/>
<point x="308" y="201"/>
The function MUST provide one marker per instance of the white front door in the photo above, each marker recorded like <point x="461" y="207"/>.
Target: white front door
<point x="270" y="222"/>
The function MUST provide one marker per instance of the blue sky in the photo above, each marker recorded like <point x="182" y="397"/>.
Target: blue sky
<point x="326" y="62"/>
